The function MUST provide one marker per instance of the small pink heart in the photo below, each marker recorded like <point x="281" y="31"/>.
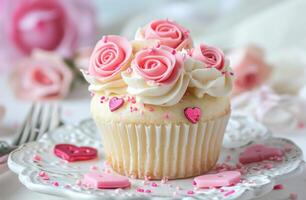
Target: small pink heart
<point x="192" y="114"/>
<point x="105" y="180"/>
<point x="259" y="152"/>
<point x="227" y="178"/>
<point x="115" y="103"/>
<point x="73" y="153"/>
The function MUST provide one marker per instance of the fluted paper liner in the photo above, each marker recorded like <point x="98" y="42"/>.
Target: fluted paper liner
<point x="167" y="150"/>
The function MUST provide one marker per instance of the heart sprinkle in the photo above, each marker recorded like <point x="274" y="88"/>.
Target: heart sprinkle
<point x="105" y="180"/>
<point x="227" y="178"/>
<point x="115" y="103"/>
<point x="73" y="153"/>
<point x="192" y="114"/>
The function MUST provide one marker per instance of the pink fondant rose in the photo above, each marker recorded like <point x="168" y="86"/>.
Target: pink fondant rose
<point x="210" y="56"/>
<point x="42" y="76"/>
<point x="158" y="65"/>
<point x="111" y="56"/>
<point x="49" y="25"/>
<point x="250" y="68"/>
<point x="168" y="33"/>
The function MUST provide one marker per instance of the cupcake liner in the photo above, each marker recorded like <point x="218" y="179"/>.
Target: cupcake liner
<point x="166" y="150"/>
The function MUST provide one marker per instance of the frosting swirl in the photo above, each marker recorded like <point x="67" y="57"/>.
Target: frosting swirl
<point x="168" y="33"/>
<point x="157" y="77"/>
<point x="110" y="57"/>
<point x="209" y="81"/>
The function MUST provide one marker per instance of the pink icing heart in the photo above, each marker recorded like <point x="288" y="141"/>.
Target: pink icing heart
<point x="115" y="103"/>
<point x="105" y="180"/>
<point x="259" y="152"/>
<point x="227" y="178"/>
<point x="73" y="153"/>
<point x="192" y="114"/>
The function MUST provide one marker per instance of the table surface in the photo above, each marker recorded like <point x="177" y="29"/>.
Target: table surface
<point x="76" y="108"/>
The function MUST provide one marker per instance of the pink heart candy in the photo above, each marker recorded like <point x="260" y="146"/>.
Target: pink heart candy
<point x="73" y="153"/>
<point x="227" y="178"/>
<point x="259" y="152"/>
<point x="192" y="114"/>
<point x="105" y="180"/>
<point x="115" y="103"/>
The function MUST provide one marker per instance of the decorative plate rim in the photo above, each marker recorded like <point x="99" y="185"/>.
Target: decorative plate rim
<point x="23" y="171"/>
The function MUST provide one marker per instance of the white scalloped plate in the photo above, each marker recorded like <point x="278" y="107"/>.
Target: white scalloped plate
<point x="255" y="182"/>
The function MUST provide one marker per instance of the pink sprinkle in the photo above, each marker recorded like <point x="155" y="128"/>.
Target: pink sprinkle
<point x="167" y="116"/>
<point x="154" y="184"/>
<point x="158" y="45"/>
<point x="229" y="193"/>
<point x="228" y="158"/>
<point x="129" y="70"/>
<point x="104" y="39"/>
<point x="56" y="184"/>
<point x="222" y="190"/>
<point x="133" y="100"/>
<point x="78" y="182"/>
<point x="140" y="190"/>
<point x="36" y="158"/>
<point x="293" y="196"/>
<point x="42" y="174"/>
<point x="194" y="183"/>
<point x="67" y="186"/>
<point x="190" y="192"/>
<point x="173" y="51"/>
<point x="231" y="73"/>
<point x="148" y="191"/>
<point x="46" y="177"/>
<point x="278" y="187"/>
<point x="93" y="167"/>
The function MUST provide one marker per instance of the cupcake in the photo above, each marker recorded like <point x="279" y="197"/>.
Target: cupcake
<point x="160" y="104"/>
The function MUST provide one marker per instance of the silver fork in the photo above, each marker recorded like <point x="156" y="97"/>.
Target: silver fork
<point x="41" y="118"/>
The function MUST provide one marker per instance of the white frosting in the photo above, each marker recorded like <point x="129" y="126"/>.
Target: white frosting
<point x="117" y="86"/>
<point x="194" y="75"/>
<point x="209" y="81"/>
<point x="163" y="95"/>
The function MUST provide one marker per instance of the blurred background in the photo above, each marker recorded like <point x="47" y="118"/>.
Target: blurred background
<point x="45" y="43"/>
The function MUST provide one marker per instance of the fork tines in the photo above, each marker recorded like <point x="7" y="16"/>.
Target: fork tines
<point x="41" y="118"/>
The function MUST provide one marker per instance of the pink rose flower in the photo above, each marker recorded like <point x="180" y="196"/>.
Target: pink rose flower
<point x="51" y="25"/>
<point x="111" y="55"/>
<point x="250" y="68"/>
<point x="159" y="65"/>
<point x="210" y="56"/>
<point x="43" y="76"/>
<point x="168" y="33"/>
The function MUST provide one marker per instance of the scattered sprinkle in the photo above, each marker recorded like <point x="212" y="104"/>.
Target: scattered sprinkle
<point x="140" y="190"/>
<point x="56" y="184"/>
<point x="229" y="193"/>
<point x="36" y="158"/>
<point x="278" y="187"/>
<point x="154" y="184"/>
<point x="93" y="167"/>
<point x="190" y="192"/>
<point x="148" y="191"/>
